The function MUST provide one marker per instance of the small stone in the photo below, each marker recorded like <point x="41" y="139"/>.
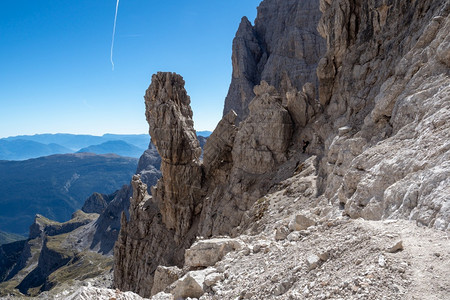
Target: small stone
<point x="206" y="253"/>
<point x="302" y="221"/>
<point x="164" y="276"/>
<point x="344" y="130"/>
<point x="162" y="296"/>
<point x="324" y="255"/>
<point x="281" y="233"/>
<point x="381" y="261"/>
<point x="306" y="290"/>
<point x="396" y="247"/>
<point x="246" y="251"/>
<point x="256" y="248"/>
<point x="294" y="236"/>
<point x="213" y="278"/>
<point x="312" y="261"/>
<point x="190" y="285"/>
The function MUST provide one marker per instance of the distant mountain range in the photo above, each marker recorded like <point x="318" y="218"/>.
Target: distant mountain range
<point x="121" y="148"/>
<point x="204" y="133"/>
<point x="55" y="186"/>
<point x="32" y="146"/>
<point x="77" y="141"/>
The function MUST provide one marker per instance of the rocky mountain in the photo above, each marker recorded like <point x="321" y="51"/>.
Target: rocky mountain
<point x="287" y="186"/>
<point x="121" y="148"/>
<point x="56" y="186"/>
<point x="283" y="48"/>
<point x="333" y="188"/>
<point x="54" y="253"/>
<point x="58" y="256"/>
<point x="204" y="133"/>
<point x="33" y="146"/>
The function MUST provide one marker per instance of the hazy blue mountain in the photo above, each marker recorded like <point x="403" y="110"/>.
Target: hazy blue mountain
<point x="6" y="237"/>
<point x="204" y="133"/>
<point x="139" y="140"/>
<point x="19" y="149"/>
<point x="78" y="141"/>
<point x="55" y="186"/>
<point x="121" y="148"/>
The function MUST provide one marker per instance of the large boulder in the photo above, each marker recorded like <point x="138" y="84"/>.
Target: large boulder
<point x="205" y="253"/>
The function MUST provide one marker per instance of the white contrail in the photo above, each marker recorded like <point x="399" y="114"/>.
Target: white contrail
<point x="113" y="34"/>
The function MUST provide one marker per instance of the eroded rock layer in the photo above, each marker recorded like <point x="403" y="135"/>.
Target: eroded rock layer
<point x="384" y="82"/>
<point x="162" y="226"/>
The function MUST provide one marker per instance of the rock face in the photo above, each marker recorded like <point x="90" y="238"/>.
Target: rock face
<point x="390" y="84"/>
<point x="169" y="116"/>
<point x="108" y="224"/>
<point x="97" y="202"/>
<point x="194" y="199"/>
<point x="282" y="48"/>
<point x="167" y="219"/>
<point x="372" y="142"/>
<point x="258" y="148"/>
<point x="138" y="237"/>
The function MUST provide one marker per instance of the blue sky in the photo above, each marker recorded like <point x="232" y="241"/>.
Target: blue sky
<point x="55" y="70"/>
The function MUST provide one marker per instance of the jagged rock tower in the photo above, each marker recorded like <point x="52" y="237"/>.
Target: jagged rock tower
<point x="283" y="49"/>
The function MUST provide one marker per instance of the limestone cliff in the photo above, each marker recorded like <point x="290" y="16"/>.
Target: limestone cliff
<point x="192" y="198"/>
<point x="282" y="48"/>
<point x="384" y="82"/>
<point x="165" y="221"/>
<point x="372" y="141"/>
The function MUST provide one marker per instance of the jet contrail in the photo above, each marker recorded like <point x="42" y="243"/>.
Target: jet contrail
<point x="113" y="34"/>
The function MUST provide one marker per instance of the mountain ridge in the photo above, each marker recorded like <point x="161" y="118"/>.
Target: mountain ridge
<point x="118" y="147"/>
<point x="56" y="185"/>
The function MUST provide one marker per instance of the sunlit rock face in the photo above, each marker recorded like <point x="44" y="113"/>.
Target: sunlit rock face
<point x="162" y="225"/>
<point x="372" y="141"/>
<point x="169" y="116"/>
<point x="282" y="45"/>
<point x="385" y="77"/>
<point x="193" y="198"/>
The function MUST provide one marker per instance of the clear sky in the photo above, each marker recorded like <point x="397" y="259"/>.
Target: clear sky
<point x="55" y="70"/>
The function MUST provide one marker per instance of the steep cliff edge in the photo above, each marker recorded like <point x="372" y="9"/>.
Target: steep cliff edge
<point x="373" y="142"/>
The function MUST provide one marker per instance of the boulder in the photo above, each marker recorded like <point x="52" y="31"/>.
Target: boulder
<point x="206" y="253"/>
<point x="302" y="221"/>
<point x="190" y="285"/>
<point x="164" y="276"/>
